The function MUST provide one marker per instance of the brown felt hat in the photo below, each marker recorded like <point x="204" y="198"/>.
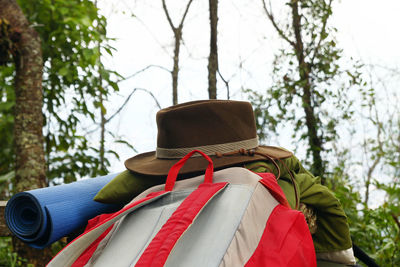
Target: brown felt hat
<point x="219" y="128"/>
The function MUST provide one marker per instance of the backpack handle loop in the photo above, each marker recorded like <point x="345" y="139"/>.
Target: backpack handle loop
<point x="173" y="172"/>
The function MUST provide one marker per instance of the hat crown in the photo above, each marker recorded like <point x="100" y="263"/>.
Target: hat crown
<point x="219" y="128"/>
<point x="206" y="124"/>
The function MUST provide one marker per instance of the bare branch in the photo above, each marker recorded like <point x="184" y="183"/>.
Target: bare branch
<point x="152" y="95"/>
<point x="142" y="70"/>
<point x="226" y="84"/>
<point x="184" y="14"/>
<point x="122" y="106"/>
<point x="129" y="97"/>
<point x="279" y="30"/>
<point x="178" y="37"/>
<point x="168" y="17"/>
<point x="369" y="177"/>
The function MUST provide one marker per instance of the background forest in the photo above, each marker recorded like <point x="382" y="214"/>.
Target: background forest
<point x="80" y="82"/>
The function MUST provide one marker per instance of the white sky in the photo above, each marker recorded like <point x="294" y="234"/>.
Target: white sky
<point x="367" y="30"/>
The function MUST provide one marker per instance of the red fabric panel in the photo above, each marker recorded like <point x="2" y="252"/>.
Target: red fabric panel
<point x="269" y="180"/>
<point x="157" y="252"/>
<point x="103" y="218"/>
<point x="87" y="254"/>
<point x="286" y="241"/>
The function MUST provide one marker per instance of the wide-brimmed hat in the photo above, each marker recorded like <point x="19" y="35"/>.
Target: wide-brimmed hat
<point x="223" y="129"/>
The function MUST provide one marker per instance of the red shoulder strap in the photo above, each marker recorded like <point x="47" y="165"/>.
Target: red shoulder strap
<point x="269" y="181"/>
<point x="156" y="254"/>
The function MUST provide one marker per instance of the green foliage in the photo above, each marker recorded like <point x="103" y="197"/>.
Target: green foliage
<point x="374" y="230"/>
<point x="308" y="64"/>
<point x="76" y="86"/>
<point x="374" y="224"/>
<point x="311" y="61"/>
<point x="73" y="36"/>
<point x="74" y="78"/>
<point x="8" y="258"/>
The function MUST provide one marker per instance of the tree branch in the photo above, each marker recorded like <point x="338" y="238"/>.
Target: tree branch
<point x="225" y="82"/>
<point x="375" y="120"/>
<point x="184" y="14"/>
<point x="324" y="22"/>
<point x="142" y="70"/>
<point x="369" y="177"/>
<point x="279" y="30"/>
<point x="178" y="37"/>
<point x="129" y="97"/>
<point x="298" y="44"/>
<point x="168" y="17"/>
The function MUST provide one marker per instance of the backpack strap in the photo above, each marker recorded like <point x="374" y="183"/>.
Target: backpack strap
<point x="157" y="252"/>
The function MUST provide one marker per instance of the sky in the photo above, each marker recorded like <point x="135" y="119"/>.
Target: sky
<point x="366" y="30"/>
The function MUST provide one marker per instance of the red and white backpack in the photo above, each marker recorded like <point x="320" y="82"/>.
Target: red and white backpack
<point x="232" y="217"/>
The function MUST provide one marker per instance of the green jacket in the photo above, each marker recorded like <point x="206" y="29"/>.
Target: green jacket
<point x="332" y="229"/>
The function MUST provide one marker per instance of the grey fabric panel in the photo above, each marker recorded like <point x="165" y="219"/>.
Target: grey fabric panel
<point x="130" y="240"/>
<point x="75" y="249"/>
<point x="103" y="244"/>
<point x="207" y="239"/>
<point x="251" y="228"/>
<point x="135" y="232"/>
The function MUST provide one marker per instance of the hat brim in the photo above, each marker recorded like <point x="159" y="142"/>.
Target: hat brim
<point x="149" y="164"/>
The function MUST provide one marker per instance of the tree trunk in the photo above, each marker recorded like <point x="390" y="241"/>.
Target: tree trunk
<point x="30" y="167"/>
<point x="178" y="36"/>
<point x="213" y="58"/>
<point x="102" y="133"/>
<point x="304" y="72"/>
<point x="175" y="69"/>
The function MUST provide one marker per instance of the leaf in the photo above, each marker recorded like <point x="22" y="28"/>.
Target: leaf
<point x="125" y="143"/>
<point x="63" y="71"/>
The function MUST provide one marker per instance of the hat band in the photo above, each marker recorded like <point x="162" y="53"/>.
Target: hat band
<point x="175" y="153"/>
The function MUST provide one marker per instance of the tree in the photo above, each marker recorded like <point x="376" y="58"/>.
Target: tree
<point x="21" y="41"/>
<point x="306" y="72"/>
<point x="71" y="32"/>
<point x="308" y="76"/>
<point x="62" y="43"/>
<point x="177" y="30"/>
<point x="213" y="57"/>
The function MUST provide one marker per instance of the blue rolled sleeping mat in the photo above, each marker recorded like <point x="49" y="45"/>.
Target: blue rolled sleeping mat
<point x="42" y="216"/>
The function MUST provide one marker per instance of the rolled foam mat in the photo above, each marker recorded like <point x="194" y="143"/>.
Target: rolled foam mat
<point x="42" y="216"/>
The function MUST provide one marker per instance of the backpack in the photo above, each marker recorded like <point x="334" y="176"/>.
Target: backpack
<point x="232" y="217"/>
